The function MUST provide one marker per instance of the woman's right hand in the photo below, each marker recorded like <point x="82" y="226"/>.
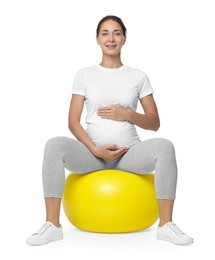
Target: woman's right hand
<point x="108" y="152"/>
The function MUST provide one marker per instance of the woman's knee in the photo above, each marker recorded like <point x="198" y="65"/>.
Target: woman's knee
<point x="166" y="145"/>
<point x="54" y="143"/>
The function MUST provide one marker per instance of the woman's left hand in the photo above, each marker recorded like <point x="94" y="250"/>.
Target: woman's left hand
<point x="115" y="112"/>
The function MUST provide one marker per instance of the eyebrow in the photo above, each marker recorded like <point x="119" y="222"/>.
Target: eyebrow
<point x="118" y="30"/>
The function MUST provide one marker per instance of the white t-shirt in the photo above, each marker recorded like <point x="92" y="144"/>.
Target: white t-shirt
<point x="104" y="87"/>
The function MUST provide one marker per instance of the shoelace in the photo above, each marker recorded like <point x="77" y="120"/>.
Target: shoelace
<point x="175" y="229"/>
<point x="43" y="229"/>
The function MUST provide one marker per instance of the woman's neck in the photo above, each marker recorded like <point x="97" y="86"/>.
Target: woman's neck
<point x="111" y="62"/>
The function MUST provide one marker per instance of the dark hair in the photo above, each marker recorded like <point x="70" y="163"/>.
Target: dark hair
<point x="115" y="19"/>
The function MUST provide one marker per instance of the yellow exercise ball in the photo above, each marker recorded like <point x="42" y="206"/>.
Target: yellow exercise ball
<point x="110" y="201"/>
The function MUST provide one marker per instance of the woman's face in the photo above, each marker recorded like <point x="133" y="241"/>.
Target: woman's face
<point x="111" y="38"/>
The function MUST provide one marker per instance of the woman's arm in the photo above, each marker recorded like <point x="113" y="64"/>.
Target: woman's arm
<point x="75" y="111"/>
<point x="149" y="120"/>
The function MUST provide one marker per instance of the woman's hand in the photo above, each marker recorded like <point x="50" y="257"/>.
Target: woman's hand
<point x="115" y="112"/>
<point x="108" y="152"/>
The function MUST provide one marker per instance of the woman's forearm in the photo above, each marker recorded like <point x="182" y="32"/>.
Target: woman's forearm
<point x="79" y="132"/>
<point x="147" y="121"/>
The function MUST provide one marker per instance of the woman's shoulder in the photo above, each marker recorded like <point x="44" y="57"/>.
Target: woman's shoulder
<point x="135" y="71"/>
<point x="81" y="72"/>
<point x="87" y="68"/>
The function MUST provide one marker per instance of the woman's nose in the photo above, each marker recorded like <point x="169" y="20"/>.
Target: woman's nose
<point x="111" y="38"/>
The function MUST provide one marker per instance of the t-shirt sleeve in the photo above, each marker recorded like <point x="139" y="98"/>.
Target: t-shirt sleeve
<point x="78" y="84"/>
<point x="145" y="87"/>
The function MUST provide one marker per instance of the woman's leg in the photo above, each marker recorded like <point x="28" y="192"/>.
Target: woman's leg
<point x="60" y="153"/>
<point x="158" y="155"/>
<point x="53" y="210"/>
<point x="165" y="211"/>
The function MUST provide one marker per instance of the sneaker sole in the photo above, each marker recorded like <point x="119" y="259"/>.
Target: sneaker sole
<point x="45" y="243"/>
<point x="184" y="243"/>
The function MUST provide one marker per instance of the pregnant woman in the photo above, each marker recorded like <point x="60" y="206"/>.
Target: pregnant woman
<point x="110" y="91"/>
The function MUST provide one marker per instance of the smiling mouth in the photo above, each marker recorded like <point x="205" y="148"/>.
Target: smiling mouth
<point x="111" y="46"/>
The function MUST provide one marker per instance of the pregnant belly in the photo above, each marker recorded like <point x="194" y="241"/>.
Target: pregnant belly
<point x="123" y="134"/>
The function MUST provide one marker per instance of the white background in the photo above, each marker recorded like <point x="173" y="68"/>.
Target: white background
<point x="42" y="45"/>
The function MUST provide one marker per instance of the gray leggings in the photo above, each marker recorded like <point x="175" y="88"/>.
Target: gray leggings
<point x="156" y="154"/>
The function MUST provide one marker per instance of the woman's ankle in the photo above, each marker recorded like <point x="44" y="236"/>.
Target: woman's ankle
<point x="56" y="222"/>
<point x="163" y="222"/>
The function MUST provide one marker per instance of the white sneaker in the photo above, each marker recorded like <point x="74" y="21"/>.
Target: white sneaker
<point x="172" y="233"/>
<point x="47" y="233"/>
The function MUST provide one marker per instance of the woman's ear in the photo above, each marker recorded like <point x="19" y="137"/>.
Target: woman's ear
<point x="97" y="40"/>
<point x="124" y="40"/>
